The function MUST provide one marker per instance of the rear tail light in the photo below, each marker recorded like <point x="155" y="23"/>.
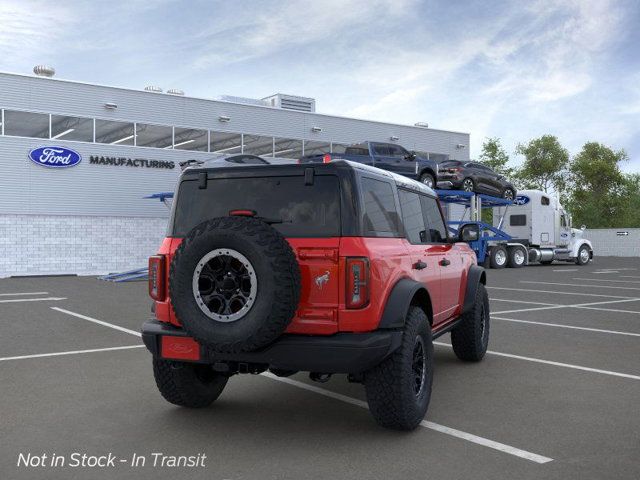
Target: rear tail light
<point x="358" y="289"/>
<point x="326" y="158"/>
<point x="242" y="213"/>
<point x="156" y="277"/>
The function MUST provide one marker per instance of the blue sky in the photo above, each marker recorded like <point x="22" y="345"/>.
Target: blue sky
<point x="515" y="70"/>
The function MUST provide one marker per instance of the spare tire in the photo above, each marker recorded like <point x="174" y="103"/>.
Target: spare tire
<point x="234" y="283"/>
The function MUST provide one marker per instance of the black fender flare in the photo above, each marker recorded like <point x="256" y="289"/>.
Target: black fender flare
<point x="399" y="300"/>
<point x="428" y="170"/>
<point x="475" y="277"/>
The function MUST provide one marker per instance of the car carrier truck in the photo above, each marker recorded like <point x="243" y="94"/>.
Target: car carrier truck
<point x="534" y="228"/>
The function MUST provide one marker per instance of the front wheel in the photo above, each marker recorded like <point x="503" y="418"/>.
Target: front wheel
<point x="428" y="180"/>
<point x="584" y="255"/>
<point x="399" y="389"/>
<point x="188" y="384"/>
<point x="470" y="338"/>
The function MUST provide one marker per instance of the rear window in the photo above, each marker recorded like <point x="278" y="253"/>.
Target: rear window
<point x="380" y="214"/>
<point x="305" y="210"/>
<point x="356" y="151"/>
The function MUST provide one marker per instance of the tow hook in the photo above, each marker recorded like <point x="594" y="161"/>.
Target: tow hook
<point x="320" y="377"/>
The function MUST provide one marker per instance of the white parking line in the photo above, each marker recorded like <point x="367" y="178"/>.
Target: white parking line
<point x="574" y="285"/>
<point x="610" y="310"/>
<point x="23" y="293"/>
<point x="99" y="322"/>
<point x="577" y="305"/>
<point x="604" y="280"/>
<point x="559" y="293"/>
<point x="73" y="352"/>
<point x="521" y="301"/>
<point x="629" y="276"/>
<point x="426" y="424"/>
<point x="566" y="270"/>
<point x="572" y="327"/>
<point x="557" y="364"/>
<point x="17" y="300"/>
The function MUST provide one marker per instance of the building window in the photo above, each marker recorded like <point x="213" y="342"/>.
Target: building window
<point x="114" y="133"/>
<point x="257" y="145"/>
<point x="157" y="136"/>
<point x="72" y="128"/>
<point x="191" y="139"/>
<point x="26" y="124"/>
<point x="287" y="148"/>
<point x="224" y="142"/>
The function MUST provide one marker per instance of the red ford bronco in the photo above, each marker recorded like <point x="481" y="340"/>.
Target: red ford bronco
<point x="324" y="268"/>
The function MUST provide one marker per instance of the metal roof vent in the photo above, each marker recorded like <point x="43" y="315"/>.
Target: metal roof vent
<point x="175" y="91"/>
<point x="44" y="71"/>
<point x="422" y="124"/>
<point x="153" y="88"/>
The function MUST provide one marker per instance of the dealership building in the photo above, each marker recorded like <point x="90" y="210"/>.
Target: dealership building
<point x="77" y="161"/>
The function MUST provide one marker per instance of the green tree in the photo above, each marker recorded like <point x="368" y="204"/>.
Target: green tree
<point x="600" y="194"/>
<point x="545" y="164"/>
<point x="495" y="157"/>
<point x="631" y="191"/>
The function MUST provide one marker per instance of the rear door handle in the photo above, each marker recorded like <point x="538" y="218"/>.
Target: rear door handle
<point x="444" y="262"/>
<point x="419" y="265"/>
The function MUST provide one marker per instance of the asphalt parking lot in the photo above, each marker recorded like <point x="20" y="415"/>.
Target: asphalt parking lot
<point x="557" y="396"/>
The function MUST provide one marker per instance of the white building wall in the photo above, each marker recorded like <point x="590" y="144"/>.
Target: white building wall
<point x="83" y="245"/>
<point x="613" y="241"/>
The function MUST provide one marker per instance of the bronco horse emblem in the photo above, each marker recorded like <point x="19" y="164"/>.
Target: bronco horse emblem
<point x="322" y="279"/>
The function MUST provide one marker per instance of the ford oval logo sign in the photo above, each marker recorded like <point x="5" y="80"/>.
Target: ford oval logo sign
<point x="521" y="200"/>
<point x="55" y="157"/>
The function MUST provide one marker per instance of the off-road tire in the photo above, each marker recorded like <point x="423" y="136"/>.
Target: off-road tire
<point x="278" y="283"/>
<point x="428" y="176"/>
<point x="495" y="263"/>
<point x="188" y="385"/>
<point x="389" y="386"/>
<point x="469" y="339"/>
<point x="512" y="262"/>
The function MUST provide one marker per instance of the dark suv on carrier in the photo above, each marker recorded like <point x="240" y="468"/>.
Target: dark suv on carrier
<point x="474" y="177"/>
<point x="323" y="268"/>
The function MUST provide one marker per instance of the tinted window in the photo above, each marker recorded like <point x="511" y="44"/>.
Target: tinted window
<point x="412" y="217"/>
<point x="382" y="150"/>
<point x="433" y="219"/>
<point x="518" y="220"/>
<point x="380" y="215"/>
<point x="396" y="151"/>
<point x="355" y="151"/>
<point x="544" y="200"/>
<point x="305" y="210"/>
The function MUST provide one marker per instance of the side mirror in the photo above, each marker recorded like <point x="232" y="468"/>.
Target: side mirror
<point x="583" y="227"/>
<point x="469" y="232"/>
<point x="410" y="156"/>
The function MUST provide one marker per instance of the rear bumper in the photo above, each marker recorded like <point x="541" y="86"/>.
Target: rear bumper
<point x="339" y="353"/>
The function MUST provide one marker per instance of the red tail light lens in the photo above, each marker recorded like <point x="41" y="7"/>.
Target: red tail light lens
<point x="358" y="286"/>
<point x="326" y="158"/>
<point x="156" y="277"/>
<point x="242" y="213"/>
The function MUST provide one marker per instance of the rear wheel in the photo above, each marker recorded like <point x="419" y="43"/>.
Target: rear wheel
<point x="470" y="338"/>
<point x="517" y="257"/>
<point x="468" y="185"/>
<point x="498" y="257"/>
<point x="188" y="384"/>
<point x="399" y="389"/>
<point x="428" y="180"/>
<point x="508" y="194"/>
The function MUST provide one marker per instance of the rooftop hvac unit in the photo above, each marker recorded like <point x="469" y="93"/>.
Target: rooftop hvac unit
<point x="291" y="102"/>
<point x="243" y="100"/>
<point x="153" y="88"/>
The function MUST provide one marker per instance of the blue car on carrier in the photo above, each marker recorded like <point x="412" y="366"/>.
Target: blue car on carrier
<point x="387" y="156"/>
